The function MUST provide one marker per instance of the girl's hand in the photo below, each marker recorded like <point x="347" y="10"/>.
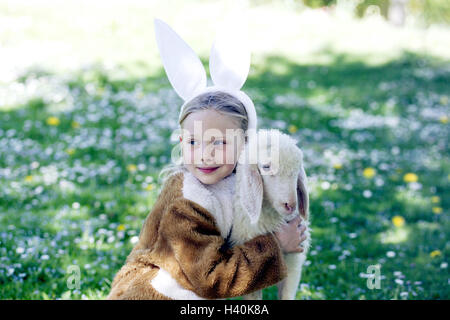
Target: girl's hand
<point x="291" y="236"/>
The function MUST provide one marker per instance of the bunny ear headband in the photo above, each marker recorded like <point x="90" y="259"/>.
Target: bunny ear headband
<point x="229" y="64"/>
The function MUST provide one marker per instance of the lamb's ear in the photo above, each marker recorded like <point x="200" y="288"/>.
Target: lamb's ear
<point x="183" y="67"/>
<point x="302" y="194"/>
<point x="251" y="191"/>
<point x="229" y="61"/>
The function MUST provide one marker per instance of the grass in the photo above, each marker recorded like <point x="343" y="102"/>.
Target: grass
<point x="81" y="151"/>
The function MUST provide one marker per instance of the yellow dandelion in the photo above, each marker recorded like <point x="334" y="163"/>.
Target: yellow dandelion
<point x="120" y="227"/>
<point x="28" y="178"/>
<point x="70" y="151"/>
<point x="435" y="199"/>
<point x="75" y="124"/>
<point x="131" y="167"/>
<point x="53" y="121"/>
<point x="150" y="187"/>
<point x="443" y="119"/>
<point x="443" y="100"/>
<point x="369" y="173"/>
<point x="292" y="128"/>
<point x="398" y="221"/>
<point x="410" y="177"/>
<point x="437" y="210"/>
<point x="435" y="253"/>
<point x="337" y="166"/>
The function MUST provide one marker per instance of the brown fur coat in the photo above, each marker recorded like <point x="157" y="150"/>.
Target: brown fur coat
<point x="182" y="252"/>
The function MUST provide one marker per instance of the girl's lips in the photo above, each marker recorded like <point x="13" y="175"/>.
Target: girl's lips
<point x="207" y="170"/>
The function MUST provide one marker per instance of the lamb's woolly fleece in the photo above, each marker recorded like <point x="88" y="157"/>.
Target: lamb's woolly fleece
<point x="289" y="154"/>
<point x="290" y="157"/>
<point x="290" y="167"/>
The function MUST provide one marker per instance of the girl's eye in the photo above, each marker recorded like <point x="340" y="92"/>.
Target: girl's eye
<point x="219" y="142"/>
<point x="266" y="167"/>
<point x="193" y="142"/>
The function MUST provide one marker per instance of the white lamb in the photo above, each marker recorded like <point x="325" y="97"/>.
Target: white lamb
<point x="270" y="193"/>
<point x="253" y="202"/>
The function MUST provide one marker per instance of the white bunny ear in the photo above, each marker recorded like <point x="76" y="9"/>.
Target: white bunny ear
<point x="229" y="61"/>
<point x="183" y="67"/>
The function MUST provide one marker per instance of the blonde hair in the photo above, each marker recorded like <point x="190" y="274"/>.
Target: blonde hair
<point x="219" y="101"/>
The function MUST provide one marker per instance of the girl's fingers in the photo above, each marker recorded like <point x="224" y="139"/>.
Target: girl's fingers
<point x="296" y="220"/>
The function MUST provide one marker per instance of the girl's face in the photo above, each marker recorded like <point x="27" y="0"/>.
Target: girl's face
<point x="211" y="143"/>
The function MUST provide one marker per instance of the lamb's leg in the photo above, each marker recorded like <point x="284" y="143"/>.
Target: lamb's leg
<point x="280" y="286"/>
<point x="287" y="289"/>
<point x="257" y="295"/>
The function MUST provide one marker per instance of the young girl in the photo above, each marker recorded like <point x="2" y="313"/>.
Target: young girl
<point x="182" y="253"/>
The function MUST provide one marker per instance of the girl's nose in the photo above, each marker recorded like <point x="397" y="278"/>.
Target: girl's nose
<point x="207" y="154"/>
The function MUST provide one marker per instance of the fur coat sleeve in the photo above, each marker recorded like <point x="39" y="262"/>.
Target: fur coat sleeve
<point x="181" y="254"/>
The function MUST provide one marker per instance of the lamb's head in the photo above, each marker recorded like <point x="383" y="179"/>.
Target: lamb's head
<point x="277" y="174"/>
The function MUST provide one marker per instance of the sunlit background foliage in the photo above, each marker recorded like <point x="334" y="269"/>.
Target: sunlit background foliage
<point x="86" y="116"/>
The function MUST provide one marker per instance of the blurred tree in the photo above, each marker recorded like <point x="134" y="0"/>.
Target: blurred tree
<point x="364" y="4"/>
<point x="431" y="11"/>
<point x="428" y="11"/>
<point x="319" y="3"/>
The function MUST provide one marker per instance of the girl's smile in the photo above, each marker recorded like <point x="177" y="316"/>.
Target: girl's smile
<point x="207" y="169"/>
